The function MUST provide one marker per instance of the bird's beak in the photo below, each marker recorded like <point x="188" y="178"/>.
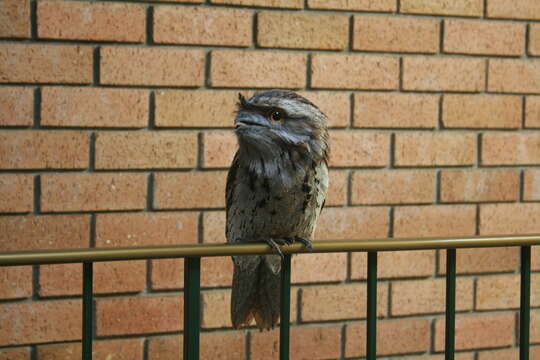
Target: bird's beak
<point x="249" y="119"/>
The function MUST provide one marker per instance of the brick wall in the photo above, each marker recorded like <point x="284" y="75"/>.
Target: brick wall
<point x="116" y="131"/>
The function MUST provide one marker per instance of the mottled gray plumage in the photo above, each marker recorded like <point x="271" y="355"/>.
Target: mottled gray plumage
<point x="276" y="188"/>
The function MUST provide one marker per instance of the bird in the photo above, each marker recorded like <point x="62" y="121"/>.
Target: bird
<point x="275" y="191"/>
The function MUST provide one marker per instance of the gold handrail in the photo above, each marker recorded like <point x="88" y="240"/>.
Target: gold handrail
<point x="156" y="252"/>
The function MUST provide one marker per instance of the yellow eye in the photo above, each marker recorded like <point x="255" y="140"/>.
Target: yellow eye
<point x="276" y="115"/>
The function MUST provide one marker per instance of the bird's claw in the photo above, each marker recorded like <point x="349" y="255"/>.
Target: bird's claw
<point x="273" y="243"/>
<point x="307" y="243"/>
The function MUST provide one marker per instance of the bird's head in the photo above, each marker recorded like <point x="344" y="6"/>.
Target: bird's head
<point x="277" y="122"/>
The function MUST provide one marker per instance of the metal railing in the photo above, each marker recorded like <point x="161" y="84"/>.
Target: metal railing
<point x="193" y="253"/>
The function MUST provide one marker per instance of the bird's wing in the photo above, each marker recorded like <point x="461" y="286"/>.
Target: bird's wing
<point x="229" y="190"/>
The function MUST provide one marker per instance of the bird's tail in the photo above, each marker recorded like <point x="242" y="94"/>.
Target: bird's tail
<point x="256" y="291"/>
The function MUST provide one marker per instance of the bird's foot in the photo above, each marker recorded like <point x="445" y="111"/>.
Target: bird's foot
<point x="274" y="244"/>
<point x="307" y="243"/>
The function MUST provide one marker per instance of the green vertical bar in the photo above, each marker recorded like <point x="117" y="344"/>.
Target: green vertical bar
<point x="192" y="307"/>
<point x="371" y="338"/>
<point x="285" y="307"/>
<point x="525" y="306"/>
<point x="88" y="322"/>
<point x="449" y="337"/>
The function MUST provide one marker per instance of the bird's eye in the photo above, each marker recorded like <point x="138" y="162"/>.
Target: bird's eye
<point x="276" y="115"/>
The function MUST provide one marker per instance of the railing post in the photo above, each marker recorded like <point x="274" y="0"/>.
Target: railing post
<point x="285" y="306"/>
<point x="450" y="328"/>
<point x="525" y="303"/>
<point x="371" y="337"/>
<point x="87" y="307"/>
<point x="192" y="307"/>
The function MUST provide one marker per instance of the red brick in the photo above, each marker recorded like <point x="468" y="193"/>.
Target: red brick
<point x="532" y="112"/>
<point x="338" y="188"/>
<point x="167" y="274"/>
<point x="434" y="220"/>
<point x="214" y="345"/>
<point x="395" y="34"/>
<point x="202" y="26"/>
<point x="124" y="349"/>
<point x="146" y="229"/>
<point x="195" y="108"/>
<point x="483" y="37"/>
<point x="352" y="223"/>
<point x="535" y="258"/>
<point x="91" y="21"/>
<point x="393" y="337"/>
<point x="93" y="107"/>
<point x="109" y="277"/>
<point x="15" y="282"/>
<point x="40" y="321"/>
<point x="337" y="302"/>
<point x="330" y="267"/>
<point x="293" y="4"/>
<point x="534" y="39"/>
<point x="138" y="315"/>
<point x="531" y="191"/>
<point x="478" y="331"/>
<point x="393" y="186"/>
<point x="93" y="191"/>
<point x="513" y="9"/>
<point x="500" y="292"/>
<point x="216" y="309"/>
<point x="304" y="30"/>
<point x="313" y="342"/>
<point x="510" y="148"/>
<point x="535" y="328"/>
<point x="443" y="73"/>
<point x="216" y="271"/>
<point x="458" y="356"/>
<point x="16" y="193"/>
<point x="44" y="232"/>
<point x="443" y="7"/>
<point x="190" y="190"/>
<point x="358" y="5"/>
<point x="338" y="71"/>
<point x="479" y="185"/>
<point x="15" y="18"/>
<point x="503" y="219"/>
<point x="483" y="260"/>
<point x="213" y="227"/>
<point x="17" y="105"/>
<point x="154" y="149"/>
<point x="43" y="150"/>
<point x="428" y="296"/>
<point x="395" y="264"/>
<point x="505" y="354"/>
<point x="514" y="76"/>
<point x="241" y="68"/>
<point x="18" y="353"/>
<point x="395" y="110"/>
<point x="358" y="148"/>
<point x="435" y="148"/>
<point x="152" y="66"/>
<point x="219" y="148"/>
<point x="479" y="111"/>
<point x="336" y="106"/>
<point x="45" y="63"/>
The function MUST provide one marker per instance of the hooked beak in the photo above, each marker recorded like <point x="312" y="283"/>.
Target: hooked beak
<point x="249" y="119"/>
